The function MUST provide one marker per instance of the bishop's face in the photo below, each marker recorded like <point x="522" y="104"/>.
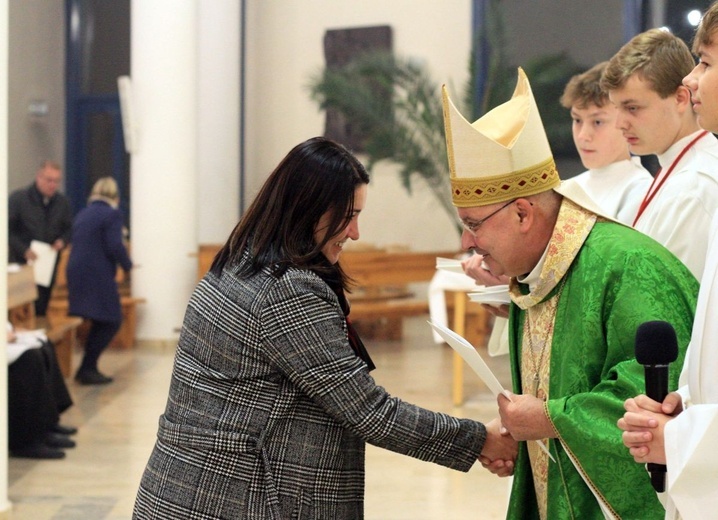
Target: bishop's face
<point x="494" y="231"/>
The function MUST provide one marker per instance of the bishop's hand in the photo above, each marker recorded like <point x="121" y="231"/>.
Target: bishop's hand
<point x="525" y="417"/>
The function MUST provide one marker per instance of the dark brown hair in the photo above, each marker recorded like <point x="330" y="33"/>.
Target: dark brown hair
<point x="707" y="28"/>
<point x="316" y="177"/>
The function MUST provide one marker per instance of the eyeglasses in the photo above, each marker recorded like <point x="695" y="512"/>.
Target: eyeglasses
<point x="473" y="227"/>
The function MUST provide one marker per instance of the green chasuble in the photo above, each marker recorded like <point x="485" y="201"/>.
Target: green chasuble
<point x="618" y="279"/>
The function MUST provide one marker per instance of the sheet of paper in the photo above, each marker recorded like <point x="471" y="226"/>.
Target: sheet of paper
<point x="469" y="354"/>
<point x="24" y="340"/>
<point x="493" y="295"/>
<point x="44" y="264"/>
<point x="449" y="264"/>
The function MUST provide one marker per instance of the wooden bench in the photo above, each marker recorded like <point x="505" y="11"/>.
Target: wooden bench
<point x="22" y="293"/>
<point x="387" y="271"/>
<point x="205" y="257"/>
<point x="382" y="296"/>
<point x="59" y="305"/>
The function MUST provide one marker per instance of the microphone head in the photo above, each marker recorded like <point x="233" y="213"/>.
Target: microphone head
<point x="656" y="343"/>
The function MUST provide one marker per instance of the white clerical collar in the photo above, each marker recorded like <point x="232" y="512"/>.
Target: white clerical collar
<point x="666" y="158"/>
<point x="535" y="275"/>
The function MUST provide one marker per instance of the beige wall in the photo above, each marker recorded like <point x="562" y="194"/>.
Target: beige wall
<point x="36" y="72"/>
<point x="285" y="48"/>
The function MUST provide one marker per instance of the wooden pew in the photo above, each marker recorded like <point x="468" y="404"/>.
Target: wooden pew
<point x="59" y="306"/>
<point x="22" y="293"/>
<point x="205" y="257"/>
<point x="382" y="295"/>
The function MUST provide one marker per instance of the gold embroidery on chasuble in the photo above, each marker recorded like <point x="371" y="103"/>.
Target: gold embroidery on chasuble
<point x="573" y="225"/>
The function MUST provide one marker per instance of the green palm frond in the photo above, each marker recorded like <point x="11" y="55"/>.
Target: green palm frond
<point x="405" y="125"/>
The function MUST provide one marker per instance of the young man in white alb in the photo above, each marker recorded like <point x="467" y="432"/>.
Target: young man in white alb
<point x="645" y="81"/>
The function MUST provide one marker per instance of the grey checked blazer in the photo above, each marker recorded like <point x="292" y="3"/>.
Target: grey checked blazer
<point x="269" y="409"/>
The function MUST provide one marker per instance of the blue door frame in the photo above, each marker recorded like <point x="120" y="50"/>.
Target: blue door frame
<point x="81" y="108"/>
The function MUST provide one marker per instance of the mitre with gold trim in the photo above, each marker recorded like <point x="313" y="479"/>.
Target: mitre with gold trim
<point x="503" y="155"/>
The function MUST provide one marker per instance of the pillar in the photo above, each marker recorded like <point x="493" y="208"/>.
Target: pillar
<point x="164" y="162"/>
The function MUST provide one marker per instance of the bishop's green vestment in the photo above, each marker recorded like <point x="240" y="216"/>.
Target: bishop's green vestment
<point x="613" y="279"/>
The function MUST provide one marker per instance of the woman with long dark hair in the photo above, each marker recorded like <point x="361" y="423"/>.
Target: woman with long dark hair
<point x="271" y="401"/>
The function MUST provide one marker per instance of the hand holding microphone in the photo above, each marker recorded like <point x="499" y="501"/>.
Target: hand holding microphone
<point x="656" y="347"/>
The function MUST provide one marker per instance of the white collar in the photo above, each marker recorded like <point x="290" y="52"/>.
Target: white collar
<point x="666" y="158"/>
<point x="534" y="276"/>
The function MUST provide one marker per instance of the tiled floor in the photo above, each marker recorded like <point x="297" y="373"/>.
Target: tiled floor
<point x="98" y="479"/>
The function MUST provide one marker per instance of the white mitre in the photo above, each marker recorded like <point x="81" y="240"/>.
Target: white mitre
<point x="503" y="155"/>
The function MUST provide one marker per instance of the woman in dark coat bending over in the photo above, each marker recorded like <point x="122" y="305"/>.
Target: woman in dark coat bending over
<point x="271" y="402"/>
<point x="97" y="249"/>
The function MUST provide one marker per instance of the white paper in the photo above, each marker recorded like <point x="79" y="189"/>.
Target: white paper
<point x="469" y="354"/>
<point x="472" y="357"/>
<point x="499" y="339"/>
<point x="494" y="295"/>
<point x="44" y="264"/>
<point x="441" y="282"/>
<point x="24" y="340"/>
<point x="449" y="264"/>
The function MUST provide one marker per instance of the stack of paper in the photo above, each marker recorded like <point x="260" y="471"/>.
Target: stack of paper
<point x="493" y="295"/>
<point x="449" y="264"/>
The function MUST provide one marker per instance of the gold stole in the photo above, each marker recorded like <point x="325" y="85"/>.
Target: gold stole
<point x="573" y="225"/>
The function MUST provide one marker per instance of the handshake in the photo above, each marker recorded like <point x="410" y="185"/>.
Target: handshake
<point x="522" y="417"/>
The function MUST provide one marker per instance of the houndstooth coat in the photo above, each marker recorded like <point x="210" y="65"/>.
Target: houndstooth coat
<point x="269" y="409"/>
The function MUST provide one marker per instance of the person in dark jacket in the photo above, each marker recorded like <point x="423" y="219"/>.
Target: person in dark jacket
<point x="97" y="249"/>
<point x="39" y="212"/>
<point x="37" y="395"/>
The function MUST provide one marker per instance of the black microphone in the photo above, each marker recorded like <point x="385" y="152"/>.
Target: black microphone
<point x="656" y="348"/>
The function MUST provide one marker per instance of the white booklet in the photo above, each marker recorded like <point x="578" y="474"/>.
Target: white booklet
<point x="469" y="354"/>
<point x="44" y="264"/>
<point x="449" y="264"/>
<point x="24" y="340"/>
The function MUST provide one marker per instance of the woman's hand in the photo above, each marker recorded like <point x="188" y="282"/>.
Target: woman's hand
<point x="500" y="450"/>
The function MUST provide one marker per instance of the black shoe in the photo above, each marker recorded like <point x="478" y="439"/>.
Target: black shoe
<point x="64" y="430"/>
<point x="38" y="451"/>
<point x="58" y="440"/>
<point x="92" y="377"/>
